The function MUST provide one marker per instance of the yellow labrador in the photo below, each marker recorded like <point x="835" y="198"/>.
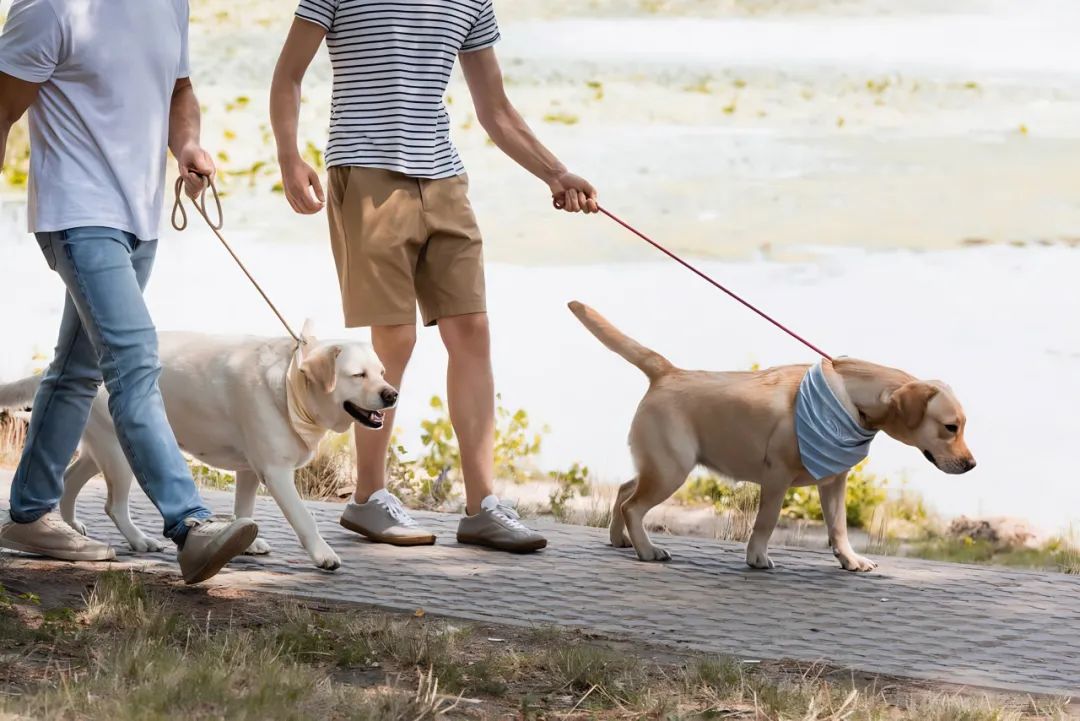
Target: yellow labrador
<point x="743" y="425"/>
<point x="257" y="406"/>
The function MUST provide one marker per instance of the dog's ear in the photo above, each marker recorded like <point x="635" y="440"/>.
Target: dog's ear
<point x="908" y="402"/>
<point x="307" y="333"/>
<point x="320" y="367"/>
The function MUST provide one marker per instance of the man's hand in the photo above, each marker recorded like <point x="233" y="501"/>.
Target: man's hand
<point x="302" y="187"/>
<point x="196" y="166"/>
<point x="573" y="193"/>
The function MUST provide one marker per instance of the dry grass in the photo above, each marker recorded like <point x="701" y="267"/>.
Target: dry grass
<point x="332" y="473"/>
<point x="12" y="437"/>
<point x="133" y="648"/>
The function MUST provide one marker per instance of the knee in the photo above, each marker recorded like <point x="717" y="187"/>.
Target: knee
<point x="466" y="334"/>
<point x="394" y="343"/>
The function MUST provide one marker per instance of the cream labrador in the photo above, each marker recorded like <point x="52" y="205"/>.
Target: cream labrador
<point x="742" y="425"/>
<point x="256" y="406"/>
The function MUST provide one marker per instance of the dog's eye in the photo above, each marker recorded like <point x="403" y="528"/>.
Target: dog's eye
<point x="952" y="427"/>
<point x="361" y="375"/>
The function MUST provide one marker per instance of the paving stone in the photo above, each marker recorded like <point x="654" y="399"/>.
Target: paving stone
<point x="993" y="627"/>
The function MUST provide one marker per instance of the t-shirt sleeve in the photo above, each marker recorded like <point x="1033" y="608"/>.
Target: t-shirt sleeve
<point x="184" y="70"/>
<point x="320" y="12"/>
<point x="485" y="31"/>
<point x="31" y="42"/>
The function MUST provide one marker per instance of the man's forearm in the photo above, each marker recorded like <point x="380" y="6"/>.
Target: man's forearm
<point x="285" y="115"/>
<point x="185" y="120"/>
<point x="512" y="135"/>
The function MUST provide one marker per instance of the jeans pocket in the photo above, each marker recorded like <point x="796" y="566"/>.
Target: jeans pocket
<point x="45" y="242"/>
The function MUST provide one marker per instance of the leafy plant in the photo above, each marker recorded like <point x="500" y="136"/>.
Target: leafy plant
<point x="571" y="483"/>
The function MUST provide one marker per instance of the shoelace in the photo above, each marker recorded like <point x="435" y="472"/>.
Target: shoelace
<point x="397" y="511"/>
<point x="510" y="516"/>
<point x="58" y="523"/>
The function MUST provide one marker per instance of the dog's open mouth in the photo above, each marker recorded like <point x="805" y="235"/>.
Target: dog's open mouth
<point x="371" y="419"/>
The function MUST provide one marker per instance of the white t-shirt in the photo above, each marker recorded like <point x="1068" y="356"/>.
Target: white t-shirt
<point x="99" y="127"/>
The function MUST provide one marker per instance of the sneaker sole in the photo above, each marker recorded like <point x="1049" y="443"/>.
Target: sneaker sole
<point x="229" y="549"/>
<point x="106" y="554"/>
<point x="425" y="540"/>
<point x="521" y="547"/>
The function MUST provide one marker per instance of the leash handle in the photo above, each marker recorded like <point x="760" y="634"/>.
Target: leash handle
<point x="200" y="205"/>
<point x="558" y="202"/>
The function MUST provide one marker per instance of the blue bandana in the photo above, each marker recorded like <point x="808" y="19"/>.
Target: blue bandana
<point x="830" y="440"/>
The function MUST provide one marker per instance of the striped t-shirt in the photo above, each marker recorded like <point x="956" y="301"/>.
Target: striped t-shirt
<point x="392" y="61"/>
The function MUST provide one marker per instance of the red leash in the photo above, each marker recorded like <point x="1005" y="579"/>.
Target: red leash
<point x="751" y="306"/>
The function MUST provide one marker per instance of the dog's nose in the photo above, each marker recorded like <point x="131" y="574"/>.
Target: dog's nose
<point x="389" y="396"/>
<point x="969" y="463"/>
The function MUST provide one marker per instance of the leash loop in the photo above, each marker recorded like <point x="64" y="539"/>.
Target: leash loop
<point x="559" y="203"/>
<point x="200" y="205"/>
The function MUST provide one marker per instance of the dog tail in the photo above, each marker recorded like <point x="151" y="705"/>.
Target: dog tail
<point x="649" y="361"/>
<point x="19" y="394"/>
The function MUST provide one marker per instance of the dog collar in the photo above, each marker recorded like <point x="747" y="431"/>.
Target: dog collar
<point x="830" y="440"/>
<point x="310" y="432"/>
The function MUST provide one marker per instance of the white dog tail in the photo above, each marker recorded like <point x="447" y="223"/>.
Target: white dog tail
<point x="649" y="361"/>
<point x="19" y="394"/>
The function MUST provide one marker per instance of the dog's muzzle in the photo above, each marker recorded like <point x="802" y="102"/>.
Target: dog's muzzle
<point x="369" y="419"/>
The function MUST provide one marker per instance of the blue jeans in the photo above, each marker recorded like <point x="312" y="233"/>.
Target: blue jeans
<point x="106" y="331"/>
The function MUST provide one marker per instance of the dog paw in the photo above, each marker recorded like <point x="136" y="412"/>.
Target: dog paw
<point x="326" y="559"/>
<point x="760" y="560"/>
<point x="79" y="527"/>
<point x="855" y="562"/>
<point x="258" y="547"/>
<point x="622" y="541"/>
<point x="655" y="553"/>
<point x="145" y="544"/>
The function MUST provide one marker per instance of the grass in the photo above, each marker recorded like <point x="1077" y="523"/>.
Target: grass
<point x="12" y="437"/>
<point x="136" y="648"/>
<point x="1056" y="554"/>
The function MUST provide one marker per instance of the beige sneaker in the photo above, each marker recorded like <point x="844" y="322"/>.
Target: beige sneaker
<point x="51" y="536"/>
<point x="384" y="520"/>
<point x="499" y="526"/>
<point x="213" y="542"/>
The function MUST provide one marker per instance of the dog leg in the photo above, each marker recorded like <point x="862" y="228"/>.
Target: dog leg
<point x="282" y="487"/>
<point x="247" y="486"/>
<point x="617" y="529"/>
<point x="651" y="490"/>
<point x="116" y="508"/>
<point x="772" y="501"/>
<point x="75" y="477"/>
<point x="833" y="507"/>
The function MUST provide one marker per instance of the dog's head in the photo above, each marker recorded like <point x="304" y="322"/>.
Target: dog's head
<point x="344" y="383"/>
<point x="927" y="415"/>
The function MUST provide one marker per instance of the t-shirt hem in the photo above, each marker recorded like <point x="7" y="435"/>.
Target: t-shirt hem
<point x="481" y="46"/>
<point x="313" y="19"/>
<point x="57" y="226"/>
<point x="22" y="73"/>
<point x="351" y="163"/>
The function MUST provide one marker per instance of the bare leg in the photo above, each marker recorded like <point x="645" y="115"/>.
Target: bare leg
<point x="282" y="487"/>
<point x="772" y="501"/>
<point x="394" y="346"/>
<point x="834" y="508"/>
<point x="470" y="390"/>
<point x="75" y="477"/>
<point x="617" y="529"/>
<point x="247" y="486"/>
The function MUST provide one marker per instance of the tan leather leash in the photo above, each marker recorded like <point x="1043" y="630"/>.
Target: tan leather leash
<point x="200" y="205"/>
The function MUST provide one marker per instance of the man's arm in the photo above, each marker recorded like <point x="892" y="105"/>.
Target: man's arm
<point x="509" y="131"/>
<point x="15" y="97"/>
<point x="184" y="127"/>
<point x="300" y="181"/>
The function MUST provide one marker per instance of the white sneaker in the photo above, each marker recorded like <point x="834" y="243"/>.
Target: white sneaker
<point x="51" y="536"/>
<point x="384" y="520"/>
<point x="213" y="542"/>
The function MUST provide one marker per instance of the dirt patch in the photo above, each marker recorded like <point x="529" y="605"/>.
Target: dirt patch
<point x="81" y="642"/>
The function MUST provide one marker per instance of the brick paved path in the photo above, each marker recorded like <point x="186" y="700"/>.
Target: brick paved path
<point x="988" y="627"/>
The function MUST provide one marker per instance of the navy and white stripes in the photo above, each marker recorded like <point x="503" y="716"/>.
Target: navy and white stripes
<point x="392" y="61"/>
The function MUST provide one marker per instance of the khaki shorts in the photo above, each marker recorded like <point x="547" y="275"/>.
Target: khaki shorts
<point x="399" y="241"/>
